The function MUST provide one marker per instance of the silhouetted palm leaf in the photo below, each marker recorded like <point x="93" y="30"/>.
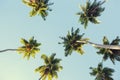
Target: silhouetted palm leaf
<point x="50" y="68"/>
<point x="90" y="12"/>
<point x="29" y="48"/>
<point x="70" y="42"/>
<point x="40" y="7"/>
<point x="110" y="53"/>
<point x="102" y="73"/>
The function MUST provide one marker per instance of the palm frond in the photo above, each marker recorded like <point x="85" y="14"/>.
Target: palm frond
<point x="29" y="3"/>
<point x="45" y="58"/>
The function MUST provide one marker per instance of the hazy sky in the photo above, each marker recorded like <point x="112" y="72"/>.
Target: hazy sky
<point x="15" y="24"/>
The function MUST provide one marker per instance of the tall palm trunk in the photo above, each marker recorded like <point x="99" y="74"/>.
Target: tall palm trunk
<point x="115" y="47"/>
<point x="41" y="77"/>
<point x="8" y="50"/>
<point x="46" y="72"/>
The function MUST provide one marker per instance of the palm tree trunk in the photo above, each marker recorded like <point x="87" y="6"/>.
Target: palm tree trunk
<point x="41" y="77"/>
<point x="8" y="50"/>
<point x="115" y="47"/>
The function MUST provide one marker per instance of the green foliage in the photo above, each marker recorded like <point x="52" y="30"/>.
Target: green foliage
<point x="50" y="68"/>
<point x="29" y="48"/>
<point x="110" y="53"/>
<point x="70" y="42"/>
<point x="40" y="7"/>
<point x="90" y="12"/>
<point x="102" y="73"/>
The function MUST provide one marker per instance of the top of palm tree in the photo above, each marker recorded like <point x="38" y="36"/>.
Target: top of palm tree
<point x="102" y="73"/>
<point x="40" y="7"/>
<point x="70" y="42"/>
<point x="29" y="48"/>
<point x="110" y="53"/>
<point x="50" y="68"/>
<point x="90" y="12"/>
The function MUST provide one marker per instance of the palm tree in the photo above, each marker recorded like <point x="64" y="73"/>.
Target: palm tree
<point x="74" y="42"/>
<point x="29" y="48"/>
<point x="40" y="7"/>
<point x="90" y="12"/>
<point x="50" y="68"/>
<point x="110" y="53"/>
<point x="102" y="73"/>
<point x="70" y="42"/>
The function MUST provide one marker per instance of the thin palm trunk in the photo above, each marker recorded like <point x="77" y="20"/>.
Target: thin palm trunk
<point x="115" y="47"/>
<point x="41" y="76"/>
<point x="8" y="50"/>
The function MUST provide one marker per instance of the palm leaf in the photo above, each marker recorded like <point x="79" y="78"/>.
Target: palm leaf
<point x="46" y="60"/>
<point x="105" y="40"/>
<point x="23" y="41"/>
<point x="29" y="3"/>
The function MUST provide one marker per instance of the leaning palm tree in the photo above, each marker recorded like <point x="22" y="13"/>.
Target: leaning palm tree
<point x="50" y="68"/>
<point x="102" y="73"/>
<point x="29" y="48"/>
<point x="110" y="53"/>
<point x="74" y="42"/>
<point x="90" y="12"/>
<point x="40" y="7"/>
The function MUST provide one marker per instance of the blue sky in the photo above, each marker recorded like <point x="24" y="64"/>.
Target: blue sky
<point x="15" y="24"/>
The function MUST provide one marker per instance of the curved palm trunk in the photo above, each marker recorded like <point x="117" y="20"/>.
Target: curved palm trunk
<point x="8" y="50"/>
<point x="115" y="47"/>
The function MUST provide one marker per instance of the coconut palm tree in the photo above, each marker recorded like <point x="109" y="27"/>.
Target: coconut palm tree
<point x="110" y="53"/>
<point x="50" y="68"/>
<point x="90" y="12"/>
<point x="74" y="42"/>
<point x="102" y="73"/>
<point x="70" y="42"/>
<point x="29" y="48"/>
<point x="40" y="7"/>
